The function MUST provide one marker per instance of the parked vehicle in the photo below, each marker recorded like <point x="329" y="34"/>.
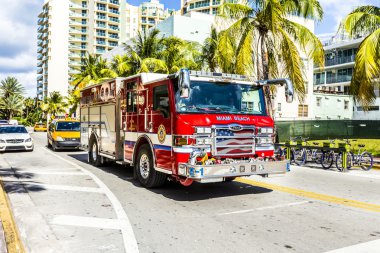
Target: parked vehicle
<point x="13" y="122"/>
<point x="190" y="126"/>
<point x="64" y="134"/>
<point x="4" y="122"/>
<point x="15" y="138"/>
<point x="40" y="127"/>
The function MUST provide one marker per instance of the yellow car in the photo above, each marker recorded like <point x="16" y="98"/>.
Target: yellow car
<point x="63" y="134"/>
<point x="40" y="127"/>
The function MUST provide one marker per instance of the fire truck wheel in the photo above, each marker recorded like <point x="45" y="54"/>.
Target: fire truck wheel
<point x="93" y="153"/>
<point x="145" y="171"/>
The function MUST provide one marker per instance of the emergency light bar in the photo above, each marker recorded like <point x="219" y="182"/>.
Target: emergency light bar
<point x="216" y="74"/>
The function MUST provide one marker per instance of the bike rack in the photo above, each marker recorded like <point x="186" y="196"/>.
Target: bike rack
<point x="327" y="147"/>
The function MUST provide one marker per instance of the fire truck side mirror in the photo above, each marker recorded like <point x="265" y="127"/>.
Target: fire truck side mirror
<point x="289" y="91"/>
<point x="184" y="83"/>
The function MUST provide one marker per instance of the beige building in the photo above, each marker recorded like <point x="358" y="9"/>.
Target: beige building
<point x="67" y="29"/>
<point x="132" y="20"/>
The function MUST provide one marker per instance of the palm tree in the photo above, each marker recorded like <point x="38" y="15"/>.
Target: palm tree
<point x="10" y="86"/>
<point x="11" y="105"/>
<point x="365" y="20"/>
<point x="264" y="42"/>
<point x="147" y="45"/>
<point x="73" y="101"/>
<point x="210" y="50"/>
<point x="29" y="106"/>
<point x="120" y="66"/>
<point x="54" y="104"/>
<point x="94" y="70"/>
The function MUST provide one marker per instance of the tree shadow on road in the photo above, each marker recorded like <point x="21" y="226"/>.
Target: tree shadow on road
<point x="176" y="191"/>
<point x="17" y="186"/>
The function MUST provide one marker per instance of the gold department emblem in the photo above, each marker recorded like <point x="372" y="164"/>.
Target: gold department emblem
<point x="161" y="133"/>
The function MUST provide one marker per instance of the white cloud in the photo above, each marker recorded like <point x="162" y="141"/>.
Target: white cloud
<point x="18" y="29"/>
<point x="27" y="79"/>
<point x="338" y="9"/>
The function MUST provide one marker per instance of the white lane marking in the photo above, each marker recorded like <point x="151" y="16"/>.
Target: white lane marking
<point x="366" y="247"/>
<point x="266" y="207"/>
<point x="130" y="243"/>
<point x="66" y="187"/>
<point x="81" y="221"/>
<point x="64" y="173"/>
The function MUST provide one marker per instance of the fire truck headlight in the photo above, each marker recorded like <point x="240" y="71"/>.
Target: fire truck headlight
<point x="265" y="140"/>
<point x="266" y="130"/>
<point x="203" y="130"/>
<point x="204" y="141"/>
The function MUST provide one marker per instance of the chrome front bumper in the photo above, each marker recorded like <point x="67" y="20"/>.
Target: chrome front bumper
<point x="217" y="172"/>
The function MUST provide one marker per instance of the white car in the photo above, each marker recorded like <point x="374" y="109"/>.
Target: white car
<point x="15" y="138"/>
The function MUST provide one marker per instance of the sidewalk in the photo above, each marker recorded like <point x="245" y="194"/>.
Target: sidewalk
<point x="3" y="245"/>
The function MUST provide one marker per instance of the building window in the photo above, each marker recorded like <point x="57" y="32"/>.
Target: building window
<point x="303" y="110"/>
<point x="319" y="100"/>
<point x="279" y="107"/>
<point x="346" y="105"/>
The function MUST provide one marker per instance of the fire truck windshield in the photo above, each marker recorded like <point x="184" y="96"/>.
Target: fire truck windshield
<point x="221" y="97"/>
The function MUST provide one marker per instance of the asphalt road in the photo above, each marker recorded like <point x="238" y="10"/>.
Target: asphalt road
<point x="62" y="204"/>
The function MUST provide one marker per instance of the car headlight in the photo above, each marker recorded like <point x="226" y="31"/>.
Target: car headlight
<point x="2" y="141"/>
<point x="266" y="130"/>
<point x="28" y="140"/>
<point x="203" y="130"/>
<point x="59" y="138"/>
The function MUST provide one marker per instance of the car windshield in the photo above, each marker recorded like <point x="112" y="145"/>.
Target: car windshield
<point x="68" y="126"/>
<point x="13" y="130"/>
<point x="220" y="97"/>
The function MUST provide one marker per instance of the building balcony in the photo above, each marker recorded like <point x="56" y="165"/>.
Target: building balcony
<point x="75" y="55"/>
<point x="77" y="15"/>
<point x="114" y="12"/>
<point x="72" y="47"/>
<point x="75" y="23"/>
<point x="75" y="63"/>
<point x="39" y="78"/>
<point x="40" y="64"/>
<point x="78" y="6"/>
<point x="113" y="28"/>
<point x="39" y="85"/>
<point x="39" y="49"/>
<point x="338" y="79"/>
<point x="39" y="70"/>
<point x="75" y="39"/>
<point x="76" y="31"/>
<point x="113" y="20"/>
<point x="114" y="2"/>
<point x="115" y="38"/>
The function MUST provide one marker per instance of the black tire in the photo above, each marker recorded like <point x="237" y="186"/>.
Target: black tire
<point x="366" y="161"/>
<point x="229" y="179"/>
<point x="327" y="160"/>
<point x="144" y="168"/>
<point x="48" y="144"/>
<point x="339" y="161"/>
<point x="54" y="146"/>
<point x="93" y="153"/>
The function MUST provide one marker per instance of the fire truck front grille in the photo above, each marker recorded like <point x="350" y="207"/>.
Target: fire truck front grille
<point x="235" y="142"/>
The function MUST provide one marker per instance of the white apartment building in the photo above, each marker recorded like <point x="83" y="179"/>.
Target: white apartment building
<point x="151" y="13"/>
<point x="333" y="82"/>
<point x="67" y="29"/>
<point x="203" y="6"/>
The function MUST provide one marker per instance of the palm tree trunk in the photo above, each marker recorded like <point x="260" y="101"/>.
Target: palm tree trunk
<point x="265" y="75"/>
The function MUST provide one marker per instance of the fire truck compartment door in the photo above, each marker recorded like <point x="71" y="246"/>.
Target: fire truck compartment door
<point x="107" y="129"/>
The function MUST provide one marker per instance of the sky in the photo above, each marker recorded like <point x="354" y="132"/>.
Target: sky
<point x="18" y="33"/>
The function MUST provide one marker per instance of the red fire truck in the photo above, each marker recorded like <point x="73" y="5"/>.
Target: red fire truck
<point x="190" y="126"/>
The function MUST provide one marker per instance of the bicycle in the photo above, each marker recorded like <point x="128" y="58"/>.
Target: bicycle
<point x="328" y="157"/>
<point x="295" y="152"/>
<point x="312" y="154"/>
<point x="364" y="160"/>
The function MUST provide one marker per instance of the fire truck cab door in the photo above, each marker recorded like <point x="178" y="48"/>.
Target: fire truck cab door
<point x="161" y="125"/>
<point x="131" y="127"/>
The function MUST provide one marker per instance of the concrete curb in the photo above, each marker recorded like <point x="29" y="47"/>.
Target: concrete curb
<point x="9" y="228"/>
